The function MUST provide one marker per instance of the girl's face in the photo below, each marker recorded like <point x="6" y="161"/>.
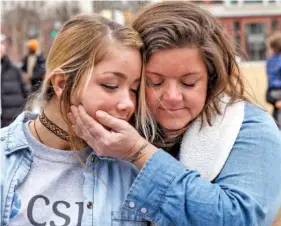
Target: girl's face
<point x="176" y="86"/>
<point x="114" y="85"/>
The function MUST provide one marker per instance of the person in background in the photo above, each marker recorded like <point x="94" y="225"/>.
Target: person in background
<point x="273" y="70"/>
<point x="216" y="159"/>
<point x="13" y="89"/>
<point x="33" y="66"/>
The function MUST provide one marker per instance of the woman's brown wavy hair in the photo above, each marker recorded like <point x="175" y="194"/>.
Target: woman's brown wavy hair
<point x="176" y="24"/>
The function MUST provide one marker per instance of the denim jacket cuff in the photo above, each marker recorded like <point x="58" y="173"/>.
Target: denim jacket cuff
<point x="147" y="193"/>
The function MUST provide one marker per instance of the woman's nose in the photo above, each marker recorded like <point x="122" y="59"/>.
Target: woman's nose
<point x="172" y="94"/>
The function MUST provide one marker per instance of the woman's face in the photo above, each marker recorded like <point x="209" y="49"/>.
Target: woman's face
<point x="176" y="86"/>
<point x="114" y="85"/>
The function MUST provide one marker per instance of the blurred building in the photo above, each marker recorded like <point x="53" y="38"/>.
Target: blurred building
<point x="249" y="23"/>
<point x="119" y="11"/>
<point x="7" y="6"/>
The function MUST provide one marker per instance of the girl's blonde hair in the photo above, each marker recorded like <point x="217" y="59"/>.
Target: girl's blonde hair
<point x="78" y="47"/>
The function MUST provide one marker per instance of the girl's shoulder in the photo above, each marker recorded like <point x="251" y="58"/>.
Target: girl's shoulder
<point x="12" y="137"/>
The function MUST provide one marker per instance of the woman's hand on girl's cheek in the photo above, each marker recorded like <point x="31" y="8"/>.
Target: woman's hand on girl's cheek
<point x="120" y="140"/>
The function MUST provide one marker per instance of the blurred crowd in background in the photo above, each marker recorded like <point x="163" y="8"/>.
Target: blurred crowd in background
<point x="28" y="29"/>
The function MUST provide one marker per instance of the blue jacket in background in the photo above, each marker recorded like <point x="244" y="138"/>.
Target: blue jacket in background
<point x="273" y="71"/>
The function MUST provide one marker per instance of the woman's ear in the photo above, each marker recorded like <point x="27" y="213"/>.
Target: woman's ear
<point x="58" y="82"/>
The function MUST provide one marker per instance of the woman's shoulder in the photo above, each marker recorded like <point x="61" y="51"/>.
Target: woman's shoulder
<point x="256" y="113"/>
<point x="259" y="123"/>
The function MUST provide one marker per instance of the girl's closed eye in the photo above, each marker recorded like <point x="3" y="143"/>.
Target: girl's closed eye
<point x="135" y="90"/>
<point x="110" y="87"/>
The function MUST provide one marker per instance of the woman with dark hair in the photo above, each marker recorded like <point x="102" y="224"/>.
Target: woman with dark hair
<point x="216" y="158"/>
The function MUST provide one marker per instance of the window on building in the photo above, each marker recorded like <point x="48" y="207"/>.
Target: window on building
<point x="236" y="25"/>
<point x="274" y="25"/>
<point x="253" y="2"/>
<point x="234" y="2"/>
<point x="255" y="41"/>
<point x="255" y="28"/>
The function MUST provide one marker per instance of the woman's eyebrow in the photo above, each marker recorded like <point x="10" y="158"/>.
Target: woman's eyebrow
<point x="155" y="73"/>
<point x="184" y="75"/>
<point x="191" y="73"/>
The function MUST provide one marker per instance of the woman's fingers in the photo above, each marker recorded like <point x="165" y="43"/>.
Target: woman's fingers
<point x="87" y="124"/>
<point x="84" y="116"/>
<point x="74" y="111"/>
<point x="113" y="123"/>
<point x="71" y="118"/>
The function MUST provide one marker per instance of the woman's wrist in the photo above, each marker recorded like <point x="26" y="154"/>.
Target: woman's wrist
<point x="138" y="153"/>
<point x="144" y="154"/>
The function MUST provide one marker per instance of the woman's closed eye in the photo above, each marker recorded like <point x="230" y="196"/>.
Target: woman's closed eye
<point x="154" y="84"/>
<point x="188" y="84"/>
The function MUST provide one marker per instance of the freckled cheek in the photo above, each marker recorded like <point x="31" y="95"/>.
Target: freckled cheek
<point x="91" y="105"/>
<point x="195" y="101"/>
<point x="152" y="98"/>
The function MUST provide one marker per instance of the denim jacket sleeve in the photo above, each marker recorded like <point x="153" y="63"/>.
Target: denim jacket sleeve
<point x="246" y="192"/>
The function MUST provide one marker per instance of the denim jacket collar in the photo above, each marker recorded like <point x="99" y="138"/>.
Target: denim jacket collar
<point x="16" y="141"/>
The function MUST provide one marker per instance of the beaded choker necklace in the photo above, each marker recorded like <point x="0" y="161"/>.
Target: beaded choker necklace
<point x="53" y="127"/>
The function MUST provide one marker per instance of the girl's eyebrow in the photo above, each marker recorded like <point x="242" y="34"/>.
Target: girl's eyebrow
<point x="120" y="75"/>
<point x="116" y="73"/>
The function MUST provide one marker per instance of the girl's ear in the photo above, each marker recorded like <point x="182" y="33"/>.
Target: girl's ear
<point x="58" y="81"/>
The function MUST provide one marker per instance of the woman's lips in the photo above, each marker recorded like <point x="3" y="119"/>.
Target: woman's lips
<point x="171" y="110"/>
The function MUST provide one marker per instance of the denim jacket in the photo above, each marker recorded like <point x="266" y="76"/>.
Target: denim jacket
<point x="104" y="191"/>
<point x="247" y="191"/>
